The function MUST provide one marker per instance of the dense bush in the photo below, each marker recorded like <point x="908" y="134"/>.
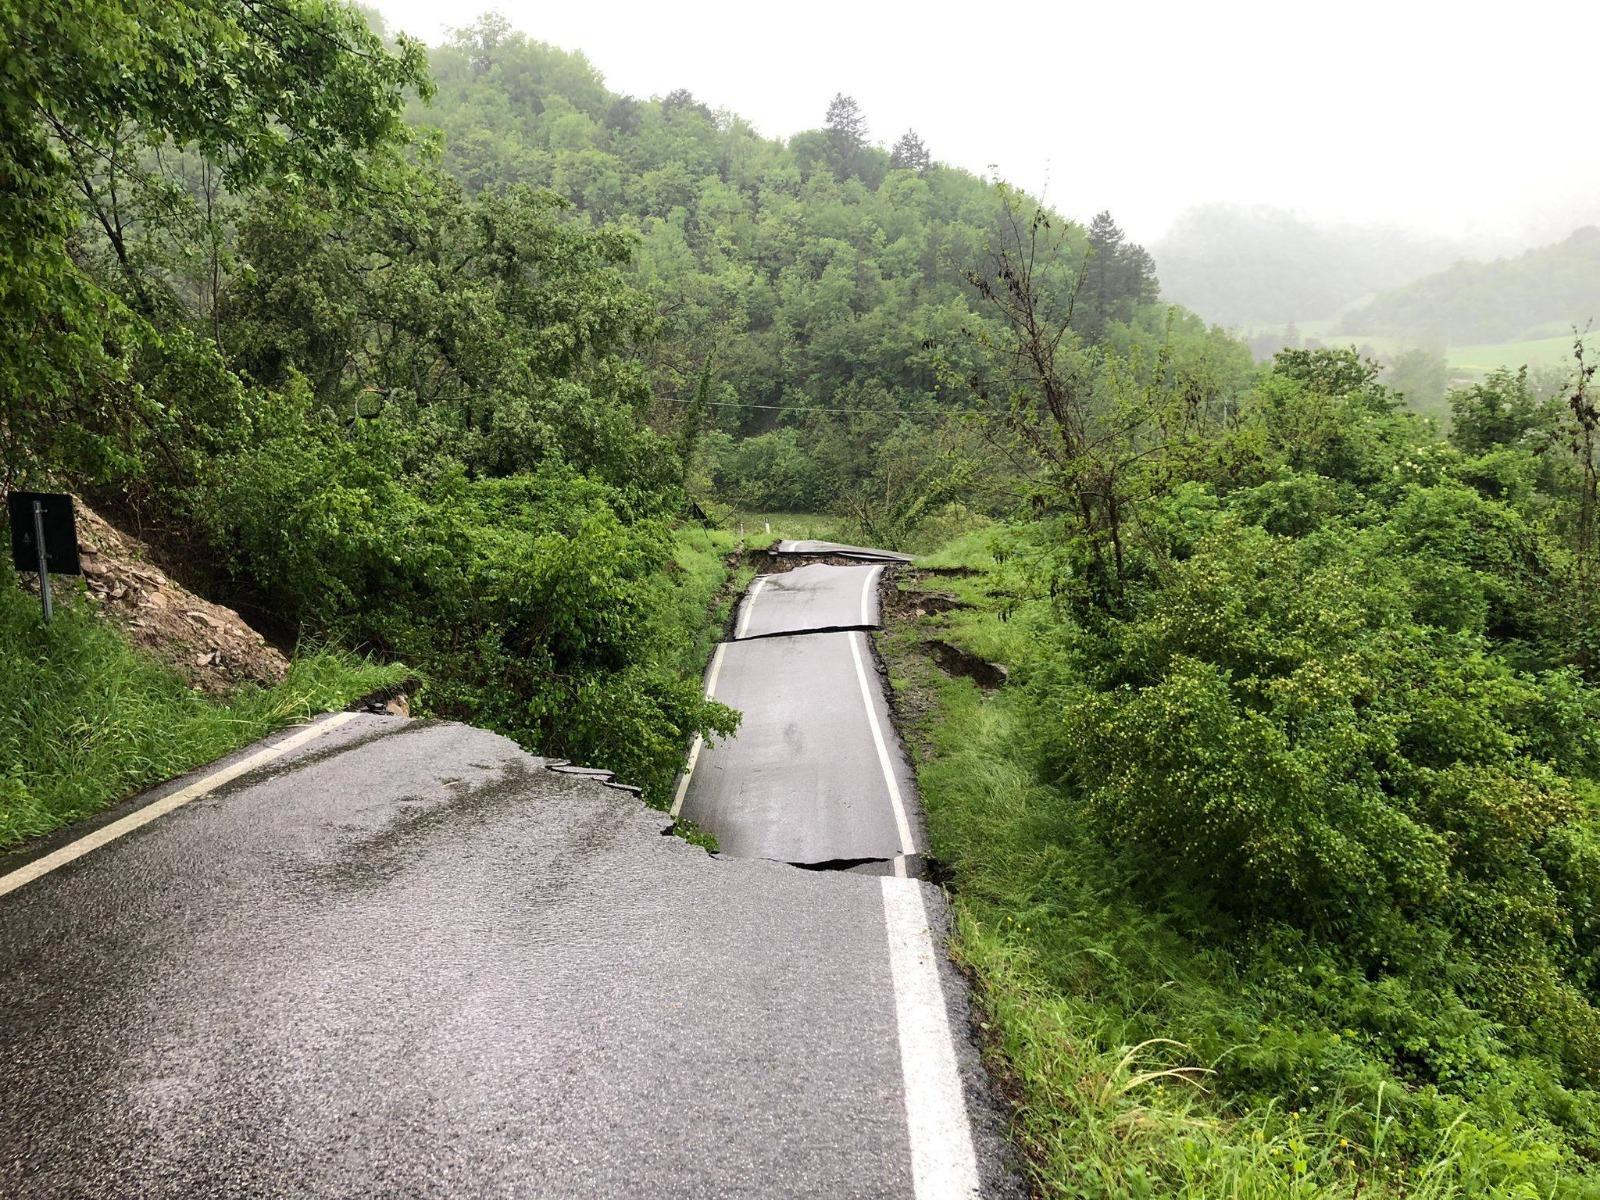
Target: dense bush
<point x="1337" y="709"/>
<point x="1312" y="737"/>
<point x="363" y="404"/>
<point x="533" y="603"/>
<point x="772" y="472"/>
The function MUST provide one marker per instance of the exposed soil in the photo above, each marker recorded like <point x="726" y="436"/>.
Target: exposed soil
<point x="953" y="660"/>
<point x="209" y="645"/>
<point x="910" y="703"/>
<point x="911" y="604"/>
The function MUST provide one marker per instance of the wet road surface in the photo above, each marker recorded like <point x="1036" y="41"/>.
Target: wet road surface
<point x="815" y="772"/>
<point x="802" y="781"/>
<point x="834" y="549"/>
<point x="405" y="958"/>
<point x="812" y="597"/>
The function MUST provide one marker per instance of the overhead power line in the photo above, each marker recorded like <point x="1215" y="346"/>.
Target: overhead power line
<point x="794" y="408"/>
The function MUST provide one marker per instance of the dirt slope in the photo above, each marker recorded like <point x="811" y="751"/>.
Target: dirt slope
<point x="209" y="645"/>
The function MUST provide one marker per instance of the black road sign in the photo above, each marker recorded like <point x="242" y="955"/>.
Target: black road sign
<point x="60" y="532"/>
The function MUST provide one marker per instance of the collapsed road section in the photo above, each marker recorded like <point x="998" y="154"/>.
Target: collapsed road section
<point x="835" y="550"/>
<point x="378" y="955"/>
<point x="816" y="777"/>
<point x="815" y="774"/>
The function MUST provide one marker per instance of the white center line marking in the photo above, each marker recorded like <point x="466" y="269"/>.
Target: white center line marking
<point x="694" y="750"/>
<point x="901" y="824"/>
<point x="944" y="1165"/>
<point x="90" y="842"/>
<point x="749" y="605"/>
<point x="866" y="596"/>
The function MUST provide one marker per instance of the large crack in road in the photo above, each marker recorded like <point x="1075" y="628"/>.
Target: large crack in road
<point x="815" y="773"/>
<point x="408" y="958"/>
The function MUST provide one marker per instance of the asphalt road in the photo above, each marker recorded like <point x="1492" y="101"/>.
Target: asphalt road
<point x="834" y="549"/>
<point x="406" y="958"/>
<point x="812" y="597"/>
<point x="815" y="773"/>
<point x="803" y="781"/>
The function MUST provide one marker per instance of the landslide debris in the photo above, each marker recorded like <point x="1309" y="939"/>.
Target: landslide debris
<point x="209" y="645"/>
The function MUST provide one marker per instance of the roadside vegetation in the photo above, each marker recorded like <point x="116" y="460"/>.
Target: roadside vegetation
<point x="85" y="720"/>
<point x="362" y="406"/>
<point x="1277" y="862"/>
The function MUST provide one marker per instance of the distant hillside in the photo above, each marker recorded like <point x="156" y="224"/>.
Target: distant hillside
<point x="824" y="270"/>
<point x="1538" y="294"/>
<point x="1266" y="266"/>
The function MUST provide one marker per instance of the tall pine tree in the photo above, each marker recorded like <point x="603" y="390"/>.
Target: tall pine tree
<point x="910" y="153"/>
<point x="846" y="127"/>
<point x="1118" y="278"/>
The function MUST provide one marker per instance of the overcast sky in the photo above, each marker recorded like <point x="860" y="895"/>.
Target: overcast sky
<point x="1451" y="117"/>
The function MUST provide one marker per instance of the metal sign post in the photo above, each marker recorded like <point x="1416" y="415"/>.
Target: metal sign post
<point x="44" y="538"/>
<point x="44" y="563"/>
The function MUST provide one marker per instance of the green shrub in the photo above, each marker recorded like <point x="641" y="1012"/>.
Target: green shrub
<point x="537" y="604"/>
<point x="772" y="472"/>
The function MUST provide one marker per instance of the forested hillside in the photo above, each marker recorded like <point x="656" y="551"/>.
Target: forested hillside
<point x="1543" y="293"/>
<point x="824" y="272"/>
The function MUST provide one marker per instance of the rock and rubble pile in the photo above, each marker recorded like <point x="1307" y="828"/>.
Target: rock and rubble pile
<point x="209" y="645"/>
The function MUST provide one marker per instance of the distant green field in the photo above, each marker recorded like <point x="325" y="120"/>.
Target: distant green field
<point x="762" y="529"/>
<point x="1465" y="361"/>
<point x="1545" y="352"/>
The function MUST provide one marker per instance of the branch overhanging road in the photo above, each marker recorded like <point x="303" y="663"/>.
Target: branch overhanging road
<point x="380" y="956"/>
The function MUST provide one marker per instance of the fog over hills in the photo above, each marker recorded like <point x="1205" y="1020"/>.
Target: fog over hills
<point x="1540" y="293"/>
<point x="1260" y="266"/>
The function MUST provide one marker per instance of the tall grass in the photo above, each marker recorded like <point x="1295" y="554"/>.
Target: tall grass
<point x="85" y="720"/>
<point x="801" y="527"/>
<point x="703" y="588"/>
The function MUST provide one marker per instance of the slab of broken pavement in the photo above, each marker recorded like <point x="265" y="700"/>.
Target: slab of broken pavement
<point x="381" y="955"/>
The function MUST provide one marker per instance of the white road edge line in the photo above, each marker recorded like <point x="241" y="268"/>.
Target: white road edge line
<point x="749" y="605"/>
<point x="694" y="750"/>
<point x="944" y="1165"/>
<point x="866" y="596"/>
<point x="91" y="842"/>
<point x="895" y="802"/>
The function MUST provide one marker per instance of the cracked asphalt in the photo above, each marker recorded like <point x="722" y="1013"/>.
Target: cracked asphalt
<point x="406" y="958"/>
<point x="812" y="597"/>
<point x="801" y="781"/>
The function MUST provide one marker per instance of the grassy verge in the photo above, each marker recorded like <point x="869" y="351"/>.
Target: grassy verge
<point x="1120" y="1017"/>
<point x="706" y="584"/>
<point x="86" y="721"/>
<point x="710" y="576"/>
<point x="760" y="529"/>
